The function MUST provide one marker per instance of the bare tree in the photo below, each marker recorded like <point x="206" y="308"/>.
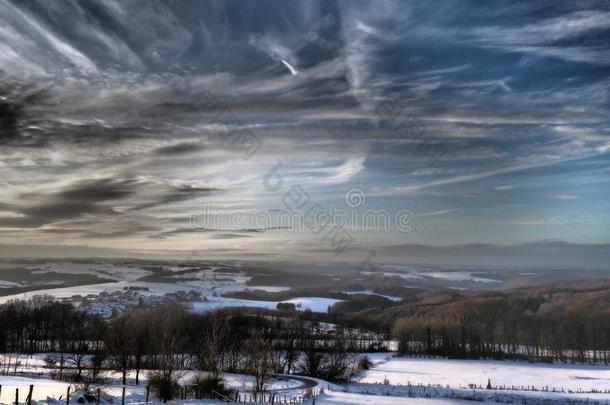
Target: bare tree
<point x="140" y="331"/>
<point x="168" y="324"/>
<point x="119" y="343"/>
<point x="212" y="336"/>
<point x="259" y="360"/>
<point x="77" y="356"/>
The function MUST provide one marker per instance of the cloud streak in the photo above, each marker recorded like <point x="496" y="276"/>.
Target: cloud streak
<point x="117" y="119"/>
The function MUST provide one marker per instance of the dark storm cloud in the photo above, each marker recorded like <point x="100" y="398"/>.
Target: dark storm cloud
<point x="17" y="97"/>
<point x="90" y="208"/>
<point x="9" y="120"/>
<point x="176" y="193"/>
<point x="229" y="236"/>
<point x="129" y="231"/>
<point x="99" y="190"/>
<point x="80" y="198"/>
<point x="179" y="149"/>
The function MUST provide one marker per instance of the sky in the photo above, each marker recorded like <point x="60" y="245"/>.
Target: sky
<point x="317" y="130"/>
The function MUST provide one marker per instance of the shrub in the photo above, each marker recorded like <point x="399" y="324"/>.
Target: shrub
<point x="365" y="363"/>
<point x="89" y="394"/>
<point x="163" y="385"/>
<point x="50" y="361"/>
<point x="286" y="306"/>
<point x="209" y="386"/>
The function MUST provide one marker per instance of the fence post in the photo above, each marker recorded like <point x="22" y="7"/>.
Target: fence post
<point x="17" y="396"/>
<point x="68" y="396"/>
<point x="123" y="396"/>
<point x="30" y="394"/>
<point x="147" y="392"/>
<point x="97" y="399"/>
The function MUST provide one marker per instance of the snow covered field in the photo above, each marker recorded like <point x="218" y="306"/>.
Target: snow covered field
<point x="46" y="388"/>
<point x="43" y="388"/>
<point x="461" y="373"/>
<point x="313" y="304"/>
<point x="370" y="292"/>
<point x="392" y="381"/>
<point x="206" y="287"/>
<point x="421" y="273"/>
<point x="344" y="398"/>
<point x="103" y="270"/>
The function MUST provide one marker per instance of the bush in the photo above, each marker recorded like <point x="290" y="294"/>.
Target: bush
<point x="89" y="394"/>
<point x="286" y="306"/>
<point x="163" y="385"/>
<point x="209" y="386"/>
<point x="50" y="361"/>
<point x="365" y="363"/>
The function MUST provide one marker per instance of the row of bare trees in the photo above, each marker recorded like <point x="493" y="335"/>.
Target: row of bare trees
<point x="167" y="339"/>
<point x="508" y="327"/>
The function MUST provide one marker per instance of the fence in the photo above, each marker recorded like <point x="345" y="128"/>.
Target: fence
<point x="477" y="393"/>
<point x="186" y="393"/>
<point x="278" y="399"/>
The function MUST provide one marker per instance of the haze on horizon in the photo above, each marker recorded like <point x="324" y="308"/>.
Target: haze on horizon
<point x="122" y="122"/>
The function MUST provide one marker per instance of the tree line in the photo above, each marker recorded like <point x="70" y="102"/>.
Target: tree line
<point x="166" y="339"/>
<point x="545" y="326"/>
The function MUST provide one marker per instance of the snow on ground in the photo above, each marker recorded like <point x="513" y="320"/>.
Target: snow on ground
<point x="9" y="284"/>
<point x="208" y="283"/>
<point x="340" y="398"/>
<point x="371" y="292"/>
<point x="46" y="388"/>
<point x="268" y="288"/>
<point x="43" y="388"/>
<point x="314" y="304"/>
<point x="432" y="382"/>
<point x="417" y="273"/>
<point x="124" y="275"/>
<point x="459" y="276"/>
<point x="209" y="274"/>
<point x="211" y="294"/>
<point x="205" y="287"/>
<point x="461" y="373"/>
<point x="343" y="398"/>
<point x="103" y="270"/>
<point x="406" y="276"/>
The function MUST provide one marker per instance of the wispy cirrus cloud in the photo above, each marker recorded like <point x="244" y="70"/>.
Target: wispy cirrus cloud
<point x="109" y="140"/>
<point x="565" y="196"/>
